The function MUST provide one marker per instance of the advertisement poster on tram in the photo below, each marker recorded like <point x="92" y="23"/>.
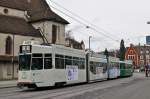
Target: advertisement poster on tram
<point x="99" y="70"/>
<point x="72" y="72"/>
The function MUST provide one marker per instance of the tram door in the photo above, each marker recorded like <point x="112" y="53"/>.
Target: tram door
<point x="37" y="67"/>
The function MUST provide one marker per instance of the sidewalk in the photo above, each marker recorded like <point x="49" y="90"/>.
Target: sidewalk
<point x="7" y="84"/>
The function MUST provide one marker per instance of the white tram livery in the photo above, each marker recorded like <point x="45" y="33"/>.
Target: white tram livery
<point x="56" y="65"/>
<point x="97" y="67"/>
<point x="113" y="68"/>
<point x="42" y="66"/>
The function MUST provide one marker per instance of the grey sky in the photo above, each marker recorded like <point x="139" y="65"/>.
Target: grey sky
<point x="121" y="18"/>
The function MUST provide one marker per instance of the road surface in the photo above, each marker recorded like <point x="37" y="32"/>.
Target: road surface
<point x="136" y="87"/>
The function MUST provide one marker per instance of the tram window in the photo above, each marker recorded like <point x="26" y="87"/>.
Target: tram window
<point x="76" y="58"/>
<point x="130" y="66"/>
<point x="36" y="55"/>
<point x="126" y="66"/>
<point x="92" y="67"/>
<point x="59" y="56"/>
<point x="37" y="63"/>
<point x="24" y="62"/>
<point x="68" y="57"/>
<point x="47" y="63"/>
<point x="59" y="62"/>
<point x="104" y="67"/>
<point x="76" y="62"/>
<point x="122" y="65"/>
<point x="82" y="63"/>
<point x="68" y="62"/>
<point x="97" y="64"/>
<point x="48" y="55"/>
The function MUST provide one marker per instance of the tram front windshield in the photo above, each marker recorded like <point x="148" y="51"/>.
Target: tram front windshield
<point x="24" y="62"/>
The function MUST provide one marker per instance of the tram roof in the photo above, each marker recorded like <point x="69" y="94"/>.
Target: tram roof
<point x="55" y="46"/>
<point x="58" y="49"/>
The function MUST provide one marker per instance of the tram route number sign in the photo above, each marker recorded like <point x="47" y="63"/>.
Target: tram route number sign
<point x="72" y="72"/>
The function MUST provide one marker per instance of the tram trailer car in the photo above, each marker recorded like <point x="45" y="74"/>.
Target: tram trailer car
<point x="43" y="66"/>
<point x="97" y="67"/>
<point x="126" y="68"/>
<point x="113" y="68"/>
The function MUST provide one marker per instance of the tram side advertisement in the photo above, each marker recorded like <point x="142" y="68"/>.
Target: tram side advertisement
<point x="72" y="72"/>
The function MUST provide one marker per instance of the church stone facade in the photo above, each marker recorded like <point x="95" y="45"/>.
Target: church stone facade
<point x="22" y="20"/>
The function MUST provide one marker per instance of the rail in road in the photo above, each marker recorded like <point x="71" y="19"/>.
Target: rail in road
<point x="80" y="91"/>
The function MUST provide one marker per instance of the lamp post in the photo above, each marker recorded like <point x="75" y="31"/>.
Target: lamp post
<point x="90" y="42"/>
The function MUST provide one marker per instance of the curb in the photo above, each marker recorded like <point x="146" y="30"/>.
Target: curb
<point x="8" y="84"/>
<point x="3" y="87"/>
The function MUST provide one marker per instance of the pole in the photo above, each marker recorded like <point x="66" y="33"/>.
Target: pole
<point x="13" y="59"/>
<point x="90" y="42"/>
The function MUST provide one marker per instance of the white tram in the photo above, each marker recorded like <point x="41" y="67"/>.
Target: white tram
<point x="41" y="66"/>
<point x="97" y="67"/>
<point x="55" y="65"/>
<point x="113" y="68"/>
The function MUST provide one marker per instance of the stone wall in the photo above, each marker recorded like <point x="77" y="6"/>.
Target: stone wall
<point x="6" y="67"/>
<point x="46" y="28"/>
<point x="18" y="40"/>
<point x="8" y="70"/>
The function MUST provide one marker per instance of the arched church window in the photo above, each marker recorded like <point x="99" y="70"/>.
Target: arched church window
<point x="8" y="48"/>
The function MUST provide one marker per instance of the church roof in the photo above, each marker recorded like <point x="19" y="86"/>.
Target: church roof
<point x="38" y="10"/>
<point x="15" y="4"/>
<point x="17" y="26"/>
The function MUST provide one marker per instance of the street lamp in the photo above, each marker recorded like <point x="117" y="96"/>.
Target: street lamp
<point x="90" y="42"/>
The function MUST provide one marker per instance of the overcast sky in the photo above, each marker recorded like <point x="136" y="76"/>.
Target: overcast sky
<point x="121" y="19"/>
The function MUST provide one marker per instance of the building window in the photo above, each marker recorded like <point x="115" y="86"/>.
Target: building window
<point x="5" y="11"/>
<point x="131" y="57"/>
<point x="58" y="33"/>
<point x="141" y="51"/>
<point x="54" y="34"/>
<point x="147" y="51"/>
<point x="131" y="52"/>
<point x="141" y="57"/>
<point x="147" y="56"/>
<point x="142" y="62"/>
<point x="8" y="47"/>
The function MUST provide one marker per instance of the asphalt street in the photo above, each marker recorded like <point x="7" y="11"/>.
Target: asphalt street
<point x="136" y="87"/>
